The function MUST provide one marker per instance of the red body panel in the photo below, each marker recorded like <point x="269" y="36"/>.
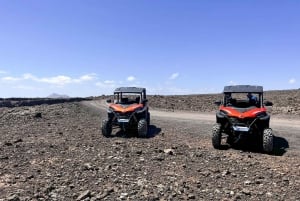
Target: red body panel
<point x="231" y="112"/>
<point x="127" y="108"/>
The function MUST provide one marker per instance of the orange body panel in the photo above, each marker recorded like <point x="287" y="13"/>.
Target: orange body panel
<point x="127" y="108"/>
<point x="231" y="112"/>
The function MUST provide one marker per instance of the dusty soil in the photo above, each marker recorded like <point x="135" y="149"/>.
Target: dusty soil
<point x="57" y="152"/>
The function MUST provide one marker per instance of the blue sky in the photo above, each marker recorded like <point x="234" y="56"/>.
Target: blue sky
<point x="90" y="47"/>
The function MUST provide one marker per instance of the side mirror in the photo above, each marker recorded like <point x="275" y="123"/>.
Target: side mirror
<point x="218" y="103"/>
<point x="145" y="101"/>
<point x="268" y="103"/>
<point x="108" y="101"/>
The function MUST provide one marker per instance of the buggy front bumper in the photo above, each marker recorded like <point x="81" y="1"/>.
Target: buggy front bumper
<point x="123" y="120"/>
<point x="241" y="128"/>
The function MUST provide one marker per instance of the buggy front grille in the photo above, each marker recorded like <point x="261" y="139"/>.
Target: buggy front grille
<point x="241" y="122"/>
<point x="121" y="115"/>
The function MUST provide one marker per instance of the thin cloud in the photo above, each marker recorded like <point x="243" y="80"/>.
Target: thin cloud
<point x="174" y="76"/>
<point x="10" y="79"/>
<point x="3" y="72"/>
<point x="109" y="82"/>
<point x="292" y="81"/>
<point x="232" y="83"/>
<point x="106" y="84"/>
<point x="84" y="78"/>
<point x="131" y="78"/>
<point x="59" y="80"/>
<point x="168" y="90"/>
<point x="24" y="87"/>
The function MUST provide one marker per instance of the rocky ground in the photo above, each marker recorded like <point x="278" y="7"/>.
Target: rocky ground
<point x="56" y="152"/>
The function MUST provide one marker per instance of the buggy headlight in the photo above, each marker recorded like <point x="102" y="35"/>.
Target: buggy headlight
<point x="261" y="114"/>
<point x="223" y="112"/>
<point x="138" y="110"/>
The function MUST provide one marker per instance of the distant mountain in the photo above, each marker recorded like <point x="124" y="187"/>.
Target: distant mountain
<point x="54" y="95"/>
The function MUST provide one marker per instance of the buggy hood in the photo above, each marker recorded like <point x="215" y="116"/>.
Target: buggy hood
<point x="125" y="108"/>
<point x="250" y="113"/>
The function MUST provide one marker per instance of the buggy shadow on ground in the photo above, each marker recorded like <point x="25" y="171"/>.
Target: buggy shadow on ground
<point x="152" y="132"/>
<point x="280" y="145"/>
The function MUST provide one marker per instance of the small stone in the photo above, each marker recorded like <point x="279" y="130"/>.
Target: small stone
<point x="18" y="140"/>
<point x="118" y="142"/>
<point x="225" y="172"/>
<point x="205" y="173"/>
<point x="84" y="195"/>
<point x="246" y="191"/>
<point x="53" y="195"/>
<point x="258" y="181"/>
<point x="145" y="193"/>
<point x="30" y="177"/>
<point x="285" y="179"/>
<point x="269" y="194"/>
<point x="108" y="167"/>
<point x="8" y="144"/>
<point x="96" y="198"/>
<point x="106" y="193"/>
<point x="169" y="151"/>
<point x="87" y="166"/>
<point x="218" y="177"/>
<point x="238" y="197"/>
<point x="38" y="115"/>
<point x="140" y="182"/>
<point x="160" y="187"/>
<point x="123" y="196"/>
<point x="191" y="197"/>
<point x="4" y="158"/>
<point x="247" y="182"/>
<point x="159" y="158"/>
<point x="13" y="198"/>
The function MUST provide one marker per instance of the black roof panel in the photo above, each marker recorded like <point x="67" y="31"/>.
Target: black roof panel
<point x="129" y="90"/>
<point x="243" y="89"/>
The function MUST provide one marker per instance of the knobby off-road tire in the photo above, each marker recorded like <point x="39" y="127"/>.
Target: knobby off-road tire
<point x="106" y="128"/>
<point x="142" y="128"/>
<point x="267" y="140"/>
<point x="216" y="136"/>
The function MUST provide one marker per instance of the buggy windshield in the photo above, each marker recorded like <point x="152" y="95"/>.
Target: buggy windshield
<point x="127" y="98"/>
<point x="243" y="100"/>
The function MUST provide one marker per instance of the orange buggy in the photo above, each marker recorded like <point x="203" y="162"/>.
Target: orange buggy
<point x="242" y="114"/>
<point x="128" y="110"/>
